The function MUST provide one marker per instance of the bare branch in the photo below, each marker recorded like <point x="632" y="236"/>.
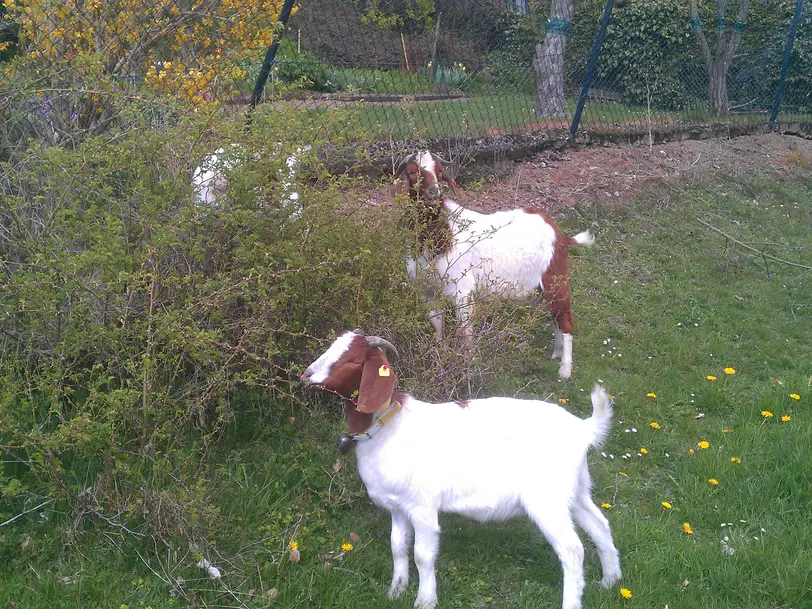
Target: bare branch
<point x="753" y="249"/>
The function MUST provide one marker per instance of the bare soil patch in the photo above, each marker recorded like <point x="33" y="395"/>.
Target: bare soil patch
<point x="556" y="179"/>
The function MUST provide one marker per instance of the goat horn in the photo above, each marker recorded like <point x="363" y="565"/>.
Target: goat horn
<point x="403" y="163"/>
<point x="437" y="157"/>
<point x="358" y="331"/>
<point x="377" y="341"/>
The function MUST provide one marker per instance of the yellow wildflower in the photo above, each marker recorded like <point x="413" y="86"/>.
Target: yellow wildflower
<point x="686" y="528"/>
<point x="606" y="506"/>
<point x="691" y="451"/>
<point x="644" y="451"/>
<point x="651" y="395"/>
<point x="293" y="545"/>
<point x="654" y="425"/>
<point x="786" y="418"/>
<point x="735" y="459"/>
<point x="713" y="482"/>
<point x="346" y="547"/>
<point x="766" y="414"/>
<point x="703" y="444"/>
<point x="624" y="474"/>
<point x="710" y="377"/>
<point x="562" y="400"/>
<point x="726" y="430"/>
<point x="730" y="371"/>
<point x="625" y="593"/>
<point x="794" y="396"/>
<point x="666" y="505"/>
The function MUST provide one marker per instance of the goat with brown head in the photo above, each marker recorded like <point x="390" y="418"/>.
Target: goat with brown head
<point x="356" y="367"/>
<point x="423" y="171"/>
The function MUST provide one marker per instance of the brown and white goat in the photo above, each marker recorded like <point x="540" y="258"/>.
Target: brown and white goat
<point x="485" y="459"/>
<point x="508" y="253"/>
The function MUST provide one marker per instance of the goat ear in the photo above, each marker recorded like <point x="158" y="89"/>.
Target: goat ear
<point x="450" y="181"/>
<point x="377" y="384"/>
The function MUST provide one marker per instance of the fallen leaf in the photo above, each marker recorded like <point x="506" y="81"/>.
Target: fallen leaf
<point x="294" y="555"/>
<point x="273" y="593"/>
<point x="685" y="582"/>
<point x="354" y="537"/>
<point x="700" y="415"/>
<point x="25" y="542"/>
<point x="328" y="565"/>
<point x="337" y="466"/>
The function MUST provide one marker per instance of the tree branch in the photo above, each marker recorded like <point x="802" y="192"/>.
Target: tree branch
<point x="753" y="249"/>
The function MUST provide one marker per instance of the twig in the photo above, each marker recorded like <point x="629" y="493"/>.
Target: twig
<point x="10" y="520"/>
<point x="759" y="252"/>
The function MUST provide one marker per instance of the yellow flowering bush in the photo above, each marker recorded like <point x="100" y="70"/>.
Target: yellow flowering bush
<point x="130" y="37"/>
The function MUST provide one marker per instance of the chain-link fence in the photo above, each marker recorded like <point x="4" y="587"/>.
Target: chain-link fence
<point x="412" y="70"/>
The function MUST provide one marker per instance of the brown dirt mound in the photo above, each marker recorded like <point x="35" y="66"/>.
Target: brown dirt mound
<point x="556" y="179"/>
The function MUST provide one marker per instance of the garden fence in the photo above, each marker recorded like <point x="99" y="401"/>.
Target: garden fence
<point x="403" y="70"/>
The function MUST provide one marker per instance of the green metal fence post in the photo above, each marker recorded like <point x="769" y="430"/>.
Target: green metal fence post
<point x="590" y="70"/>
<point x="799" y="9"/>
<point x="265" y="70"/>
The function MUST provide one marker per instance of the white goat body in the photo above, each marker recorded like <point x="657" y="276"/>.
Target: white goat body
<point x="210" y="178"/>
<point x="486" y="459"/>
<point x="508" y="253"/>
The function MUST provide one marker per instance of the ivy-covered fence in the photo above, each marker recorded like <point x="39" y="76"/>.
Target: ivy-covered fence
<point x="413" y="70"/>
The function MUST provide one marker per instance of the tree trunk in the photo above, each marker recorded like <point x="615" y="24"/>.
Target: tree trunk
<point x="717" y="88"/>
<point x="548" y="63"/>
<point x="719" y="60"/>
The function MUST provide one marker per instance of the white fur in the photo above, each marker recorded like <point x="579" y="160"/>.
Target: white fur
<point x="210" y="181"/>
<point x="491" y="459"/>
<point x="317" y="371"/>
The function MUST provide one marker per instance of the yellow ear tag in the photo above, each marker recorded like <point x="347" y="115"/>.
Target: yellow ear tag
<point x="384" y="371"/>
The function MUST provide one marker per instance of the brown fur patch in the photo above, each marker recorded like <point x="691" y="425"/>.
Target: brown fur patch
<point x="461" y="403"/>
<point x="556" y="279"/>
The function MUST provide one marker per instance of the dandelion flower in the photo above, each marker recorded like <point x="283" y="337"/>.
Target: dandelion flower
<point x="730" y="371"/>
<point x="644" y="451"/>
<point x="654" y="425"/>
<point x="606" y="506"/>
<point x="346" y="547"/>
<point x="651" y="395"/>
<point x="735" y="459"/>
<point x="686" y="528"/>
<point x="625" y="593"/>
<point x="786" y="418"/>
<point x="703" y="444"/>
<point x="710" y="377"/>
<point x="293" y="545"/>
<point x="562" y="400"/>
<point x="691" y="451"/>
<point x="766" y="414"/>
<point x="726" y="430"/>
<point x="713" y="482"/>
<point x="666" y="505"/>
<point x="794" y="396"/>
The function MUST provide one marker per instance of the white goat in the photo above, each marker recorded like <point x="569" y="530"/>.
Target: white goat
<point x="487" y="459"/>
<point x="210" y="181"/>
<point x="508" y="253"/>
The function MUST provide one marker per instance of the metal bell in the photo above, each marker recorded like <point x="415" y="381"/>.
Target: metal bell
<point x="346" y="444"/>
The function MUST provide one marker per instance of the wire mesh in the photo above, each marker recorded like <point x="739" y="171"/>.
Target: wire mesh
<point x="410" y="70"/>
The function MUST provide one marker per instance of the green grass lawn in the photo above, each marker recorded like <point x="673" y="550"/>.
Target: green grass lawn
<point x="660" y="305"/>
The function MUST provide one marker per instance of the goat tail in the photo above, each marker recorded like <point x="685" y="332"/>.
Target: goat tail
<point x="601" y="419"/>
<point x="584" y="238"/>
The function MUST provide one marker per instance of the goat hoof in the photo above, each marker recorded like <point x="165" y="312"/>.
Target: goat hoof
<point x="610" y="579"/>
<point x="396" y="590"/>
<point x="428" y="604"/>
<point x="565" y="371"/>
